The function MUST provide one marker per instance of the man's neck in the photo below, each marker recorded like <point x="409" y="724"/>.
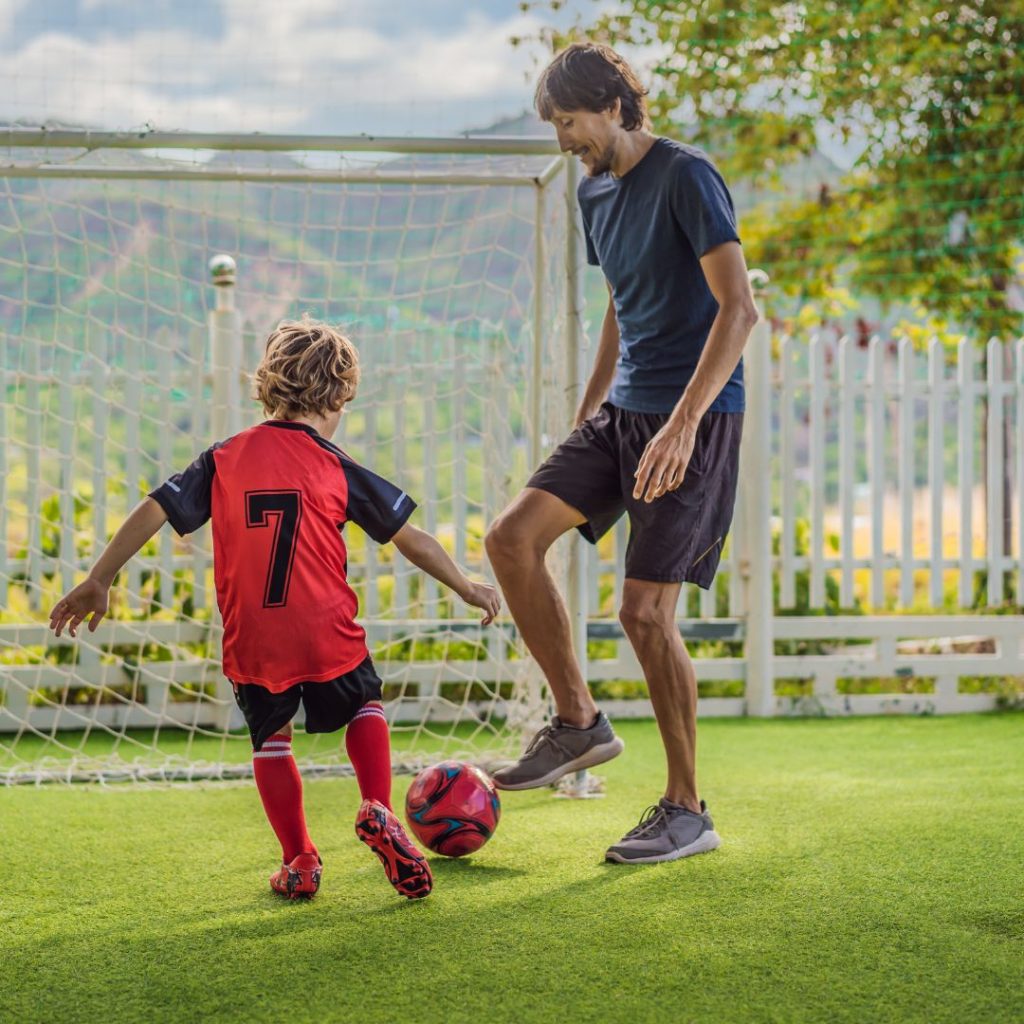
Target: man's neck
<point x="632" y="147"/>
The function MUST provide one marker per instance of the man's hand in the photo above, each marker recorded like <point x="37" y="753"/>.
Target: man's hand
<point x="483" y="595"/>
<point x="89" y="597"/>
<point x="664" y="461"/>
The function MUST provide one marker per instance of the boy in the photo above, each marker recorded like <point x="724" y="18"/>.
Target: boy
<point x="279" y="494"/>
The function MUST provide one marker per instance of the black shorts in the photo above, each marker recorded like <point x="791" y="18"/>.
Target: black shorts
<point x="678" y="537"/>
<point x="329" y="706"/>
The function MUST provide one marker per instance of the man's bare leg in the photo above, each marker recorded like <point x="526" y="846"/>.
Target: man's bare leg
<point x="517" y="543"/>
<point x="678" y="826"/>
<point x="648" y="616"/>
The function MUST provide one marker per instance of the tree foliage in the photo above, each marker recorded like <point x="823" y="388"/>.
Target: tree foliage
<point x="932" y="211"/>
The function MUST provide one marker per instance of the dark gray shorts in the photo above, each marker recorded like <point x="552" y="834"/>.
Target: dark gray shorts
<point x="329" y="706"/>
<point x="677" y="538"/>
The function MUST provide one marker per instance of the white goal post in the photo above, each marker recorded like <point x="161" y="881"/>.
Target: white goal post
<point x="455" y="266"/>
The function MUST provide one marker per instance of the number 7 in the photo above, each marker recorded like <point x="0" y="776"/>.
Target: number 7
<point x="284" y="509"/>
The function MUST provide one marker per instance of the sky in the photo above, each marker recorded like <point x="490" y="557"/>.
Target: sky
<point x="338" y="67"/>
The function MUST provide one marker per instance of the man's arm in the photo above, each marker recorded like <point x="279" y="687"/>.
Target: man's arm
<point x="90" y="596"/>
<point x="603" y="373"/>
<point x="667" y="455"/>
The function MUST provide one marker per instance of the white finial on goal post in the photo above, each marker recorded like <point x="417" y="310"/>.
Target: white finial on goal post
<point x="222" y="274"/>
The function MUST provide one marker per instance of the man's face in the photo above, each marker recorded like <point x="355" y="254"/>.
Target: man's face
<point x="589" y="135"/>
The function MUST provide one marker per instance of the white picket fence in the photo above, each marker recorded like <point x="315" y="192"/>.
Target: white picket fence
<point x="872" y="447"/>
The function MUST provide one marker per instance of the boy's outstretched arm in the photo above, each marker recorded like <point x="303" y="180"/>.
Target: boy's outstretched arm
<point x="90" y="596"/>
<point x="425" y="552"/>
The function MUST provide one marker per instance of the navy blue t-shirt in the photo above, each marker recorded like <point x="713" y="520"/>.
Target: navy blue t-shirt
<point x="647" y="231"/>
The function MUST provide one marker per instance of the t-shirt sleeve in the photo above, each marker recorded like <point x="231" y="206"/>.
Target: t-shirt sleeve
<point x="374" y="504"/>
<point x="703" y="206"/>
<point x="185" y="497"/>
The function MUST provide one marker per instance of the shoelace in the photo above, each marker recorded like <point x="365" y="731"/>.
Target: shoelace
<point x="650" y="821"/>
<point x="546" y="735"/>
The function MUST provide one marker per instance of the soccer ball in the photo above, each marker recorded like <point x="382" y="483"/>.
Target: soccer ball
<point x="453" y="808"/>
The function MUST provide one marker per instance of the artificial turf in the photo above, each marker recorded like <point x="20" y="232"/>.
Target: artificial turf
<point x="870" y="872"/>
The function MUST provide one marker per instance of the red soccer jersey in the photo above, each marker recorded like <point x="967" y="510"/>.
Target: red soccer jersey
<point x="279" y="495"/>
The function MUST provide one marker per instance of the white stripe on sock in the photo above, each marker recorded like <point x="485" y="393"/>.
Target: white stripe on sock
<point x="272" y="753"/>
<point x="374" y="713"/>
<point x="277" y="743"/>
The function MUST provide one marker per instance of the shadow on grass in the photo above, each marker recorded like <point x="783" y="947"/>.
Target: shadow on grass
<point x="470" y="873"/>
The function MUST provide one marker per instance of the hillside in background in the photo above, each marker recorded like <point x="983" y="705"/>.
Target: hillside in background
<point x="130" y="257"/>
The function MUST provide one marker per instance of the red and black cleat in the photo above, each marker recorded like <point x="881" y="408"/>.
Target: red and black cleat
<point x="406" y="868"/>
<point x="300" y="879"/>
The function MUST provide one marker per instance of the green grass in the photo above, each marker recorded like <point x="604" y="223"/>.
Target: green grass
<point x="870" y="872"/>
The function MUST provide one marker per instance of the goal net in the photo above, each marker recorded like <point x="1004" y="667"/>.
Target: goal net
<point x="452" y="265"/>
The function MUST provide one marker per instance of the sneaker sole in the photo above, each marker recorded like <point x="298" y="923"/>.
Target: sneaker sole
<point x="410" y="875"/>
<point x="590" y="759"/>
<point x="704" y="843"/>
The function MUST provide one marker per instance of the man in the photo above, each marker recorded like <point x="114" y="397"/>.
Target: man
<point x="656" y="434"/>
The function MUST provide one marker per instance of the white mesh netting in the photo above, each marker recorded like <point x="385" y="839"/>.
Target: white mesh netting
<point x="449" y="272"/>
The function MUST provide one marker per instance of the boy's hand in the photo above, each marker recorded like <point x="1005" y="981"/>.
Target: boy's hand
<point x="483" y="595"/>
<point x="88" y="597"/>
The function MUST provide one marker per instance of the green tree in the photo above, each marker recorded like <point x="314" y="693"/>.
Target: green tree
<point x="933" y="209"/>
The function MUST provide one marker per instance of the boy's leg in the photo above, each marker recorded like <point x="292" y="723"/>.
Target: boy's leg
<point x="353" y="701"/>
<point x="368" y="744"/>
<point x="280" y="787"/>
<point x="279" y="784"/>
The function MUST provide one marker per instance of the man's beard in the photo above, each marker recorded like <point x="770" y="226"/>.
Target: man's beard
<point x="602" y="164"/>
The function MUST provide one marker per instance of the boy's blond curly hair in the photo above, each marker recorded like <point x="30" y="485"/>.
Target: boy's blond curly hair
<point x="308" y="368"/>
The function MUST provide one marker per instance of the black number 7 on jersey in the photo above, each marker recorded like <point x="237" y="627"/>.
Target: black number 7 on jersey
<point x="283" y="511"/>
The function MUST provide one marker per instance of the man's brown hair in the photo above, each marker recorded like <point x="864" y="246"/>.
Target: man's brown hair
<point x="308" y="369"/>
<point x="591" y="76"/>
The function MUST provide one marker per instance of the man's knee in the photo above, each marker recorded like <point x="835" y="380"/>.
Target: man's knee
<point x="510" y="539"/>
<point x="641" y="619"/>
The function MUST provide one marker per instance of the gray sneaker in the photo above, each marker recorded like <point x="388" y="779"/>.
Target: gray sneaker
<point x="666" y="832"/>
<point x="559" y="749"/>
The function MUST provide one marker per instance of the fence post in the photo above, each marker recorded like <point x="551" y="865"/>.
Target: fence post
<point x="225" y="334"/>
<point x="756" y="475"/>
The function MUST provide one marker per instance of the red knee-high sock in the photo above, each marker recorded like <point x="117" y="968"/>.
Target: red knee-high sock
<point x="280" y="788"/>
<point x="369" y="749"/>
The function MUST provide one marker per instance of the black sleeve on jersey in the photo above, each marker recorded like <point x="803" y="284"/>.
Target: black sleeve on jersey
<point x="374" y="504"/>
<point x="185" y="497"/>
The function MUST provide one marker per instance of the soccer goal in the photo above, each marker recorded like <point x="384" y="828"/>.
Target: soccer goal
<point x="139" y="278"/>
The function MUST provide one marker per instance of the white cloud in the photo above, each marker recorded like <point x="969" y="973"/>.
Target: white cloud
<point x="277" y="67"/>
<point x="119" y="84"/>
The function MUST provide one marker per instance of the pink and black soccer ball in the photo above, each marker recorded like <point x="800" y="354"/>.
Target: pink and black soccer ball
<point x="453" y="808"/>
